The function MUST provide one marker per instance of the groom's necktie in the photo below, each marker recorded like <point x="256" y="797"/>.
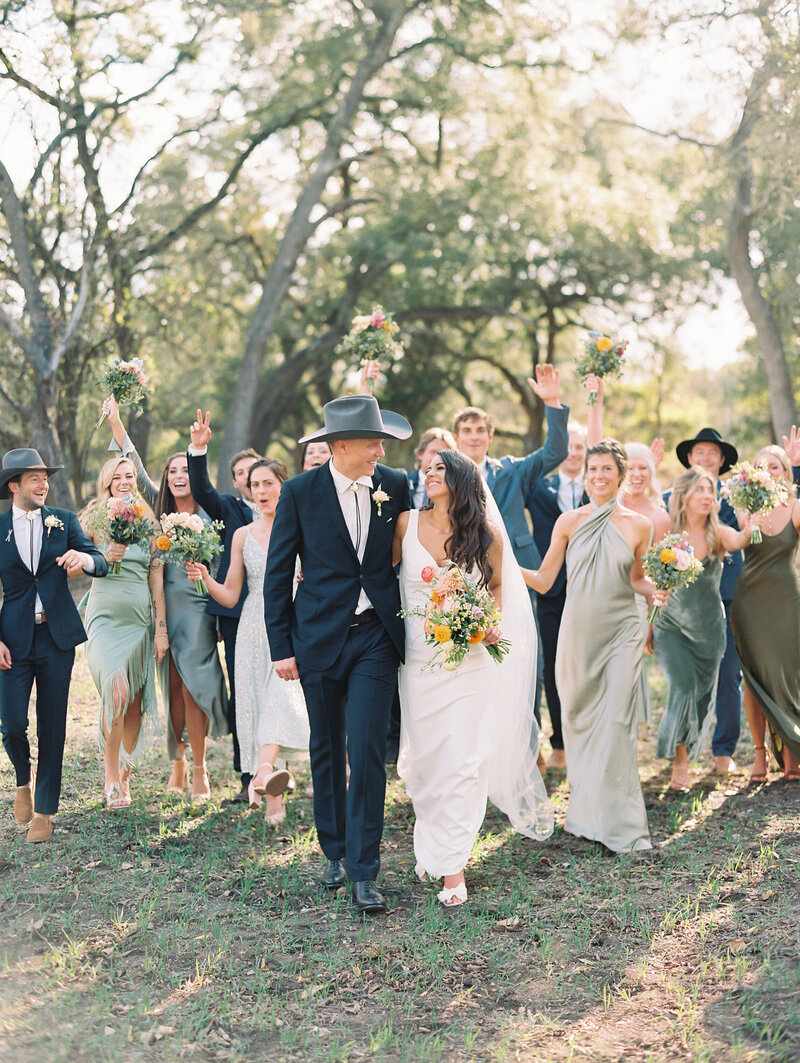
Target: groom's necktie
<point x="31" y="517"/>
<point x="354" y="488"/>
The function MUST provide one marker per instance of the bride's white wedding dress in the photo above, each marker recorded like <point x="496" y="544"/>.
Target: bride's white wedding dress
<point x="471" y="734"/>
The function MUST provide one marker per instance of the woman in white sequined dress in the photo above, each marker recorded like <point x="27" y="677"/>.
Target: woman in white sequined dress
<point x="270" y="713"/>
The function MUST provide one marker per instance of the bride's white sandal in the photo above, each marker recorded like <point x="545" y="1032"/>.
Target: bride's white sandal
<point x="451" y="898"/>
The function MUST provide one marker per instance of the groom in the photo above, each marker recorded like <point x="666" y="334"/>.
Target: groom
<point x="342" y="636"/>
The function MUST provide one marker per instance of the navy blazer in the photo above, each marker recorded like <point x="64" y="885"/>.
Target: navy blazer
<point x="510" y="480"/>
<point x="20" y="585"/>
<point x="232" y="511"/>
<point x="309" y="524"/>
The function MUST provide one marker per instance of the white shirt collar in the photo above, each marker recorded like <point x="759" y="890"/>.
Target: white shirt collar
<point x="22" y="514"/>
<point x="343" y="483"/>
<point x="565" y="479"/>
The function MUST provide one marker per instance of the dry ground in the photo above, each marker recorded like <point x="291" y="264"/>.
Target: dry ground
<point x="162" y="933"/>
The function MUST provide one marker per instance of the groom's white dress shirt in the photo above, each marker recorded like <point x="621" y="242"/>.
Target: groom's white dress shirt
<point x="352" y="493"/>
<point x="28" y="532"/>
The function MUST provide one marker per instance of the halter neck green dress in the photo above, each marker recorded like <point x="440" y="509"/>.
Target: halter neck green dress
<point x="766" y="625"/>
<point x="598" y="664"/>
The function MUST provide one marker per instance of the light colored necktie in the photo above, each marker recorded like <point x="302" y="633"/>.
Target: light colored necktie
<point x="354" y="488"/>
<point x="575" y="499"/>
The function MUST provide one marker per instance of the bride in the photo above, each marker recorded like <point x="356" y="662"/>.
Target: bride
<point x="466" y="735"/>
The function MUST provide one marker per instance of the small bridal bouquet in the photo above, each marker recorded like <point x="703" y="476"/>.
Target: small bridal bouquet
<point x="754" y="490"/>
<point x="372" y="337"/>
<point x="120" y="520"/>
<point x="456" y="616"/>
<point x="125" y="381"/>
<point x="187" y="537"/>
<point x="670" y="564"/>
<point x="602" y="356"/>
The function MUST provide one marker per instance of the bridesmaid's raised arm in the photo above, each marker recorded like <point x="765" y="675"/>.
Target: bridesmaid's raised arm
<point x="543" y="578"/>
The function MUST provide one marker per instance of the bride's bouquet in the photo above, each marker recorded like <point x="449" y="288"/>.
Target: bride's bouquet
<point x="602" y="356"/>
<point x="754" y="490"/>
<point x="187" y="537"/>
<point x="120" y="520"/>
<point x="456" y="617"/>
<point x="125" y="381"/>
<point x="670" y="564"/>
<point x="372" y="337"/>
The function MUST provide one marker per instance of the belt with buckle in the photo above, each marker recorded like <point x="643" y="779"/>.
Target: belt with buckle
<point x="39" y="618"/>
<point x="369" y="616"/>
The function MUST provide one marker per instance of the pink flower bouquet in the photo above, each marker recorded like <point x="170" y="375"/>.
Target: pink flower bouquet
<point x="125" y="381"/>
<point x="754" y="490"/>
<point x="120" y="520"/>
<point x="187" y="537"/>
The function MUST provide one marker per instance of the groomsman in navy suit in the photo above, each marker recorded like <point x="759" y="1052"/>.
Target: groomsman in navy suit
<point x="511" y="479"/>
<point x="40" y="627"/>
<point x="546" y="501"/>
<point x="342" y="635"/>
<point x="234" y="512"/>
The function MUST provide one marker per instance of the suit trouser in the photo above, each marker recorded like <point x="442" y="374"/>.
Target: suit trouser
<point x="348" y="710"/>
<point x="549" y="611"/>
<point x="228" y="628"/>
<point x="51" y="669"/>
<point x="729" y="696"/>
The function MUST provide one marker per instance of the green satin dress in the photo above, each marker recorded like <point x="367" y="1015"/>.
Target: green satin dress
<point x="598" y="667"/>
<point x="766" y="625"/>
<point x="689" y="644"/>
<point x="119" y="651"/>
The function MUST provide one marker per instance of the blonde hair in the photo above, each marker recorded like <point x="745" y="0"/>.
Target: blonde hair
<point x="641" y="452"/>
<point x="683" y="488"/>
<point x="103" y="486"/>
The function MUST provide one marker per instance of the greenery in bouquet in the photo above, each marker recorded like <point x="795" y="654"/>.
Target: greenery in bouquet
<point x="125" y="381"/>
<point x="754" y="490"/>
<point x="187" y="537"/>
<point x="457" y="615"/>
<point x="120" y="520"/>
<point x="602" y="356"/>
<point x="372" y="337"/>
<point x="670" y="564"/>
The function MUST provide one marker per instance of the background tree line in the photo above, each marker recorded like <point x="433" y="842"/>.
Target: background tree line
<point x="220" y="190"/>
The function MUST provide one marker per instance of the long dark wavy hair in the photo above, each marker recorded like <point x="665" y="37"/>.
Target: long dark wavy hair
<point x="471" y="537"/>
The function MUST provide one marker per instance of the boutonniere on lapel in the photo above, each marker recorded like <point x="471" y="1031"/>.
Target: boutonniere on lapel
<point x="379" y="497"/>
<point x="53" y="522"/>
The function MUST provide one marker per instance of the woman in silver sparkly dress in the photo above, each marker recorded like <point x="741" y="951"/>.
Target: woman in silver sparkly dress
<point x="270" y="713"/>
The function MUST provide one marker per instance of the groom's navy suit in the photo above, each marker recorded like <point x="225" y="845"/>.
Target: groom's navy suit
<point x="348" y="668"/>
<point x="43" y="652"/>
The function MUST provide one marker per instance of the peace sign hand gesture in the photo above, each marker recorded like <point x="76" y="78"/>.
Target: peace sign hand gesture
<point x="200" y="431"/>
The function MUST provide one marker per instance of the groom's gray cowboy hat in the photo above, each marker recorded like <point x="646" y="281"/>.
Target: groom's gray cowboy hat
<point x="16" y="462"/>
<point x="358" y="417"/>
<point x="730" y="455"/>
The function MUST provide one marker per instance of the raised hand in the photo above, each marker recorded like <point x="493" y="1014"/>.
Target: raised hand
<point x="370" y="371"/>
<point x="792" y="445"/>
<point x="594" y="383"/>
<point x="657" y="450"/>
<point x="546" y="384"/>
<point x="200" y="432"/>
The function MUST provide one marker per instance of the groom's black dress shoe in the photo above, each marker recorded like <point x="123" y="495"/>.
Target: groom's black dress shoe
<point x="368" y="898"/>
<point x="333" y="875"/>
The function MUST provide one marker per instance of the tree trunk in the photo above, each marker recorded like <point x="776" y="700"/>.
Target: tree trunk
<point x="239" y="423"/>
<point x="45" y="438"/>
<point x="783" y="408"/>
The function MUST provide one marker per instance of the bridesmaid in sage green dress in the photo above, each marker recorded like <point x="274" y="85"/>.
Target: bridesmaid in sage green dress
<point x="690" y="633"/>
<point x="123" y="637"/>
<point x="766" y="624"/>
<point x="600" y="653"/>
<point x="190" y="675"/>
